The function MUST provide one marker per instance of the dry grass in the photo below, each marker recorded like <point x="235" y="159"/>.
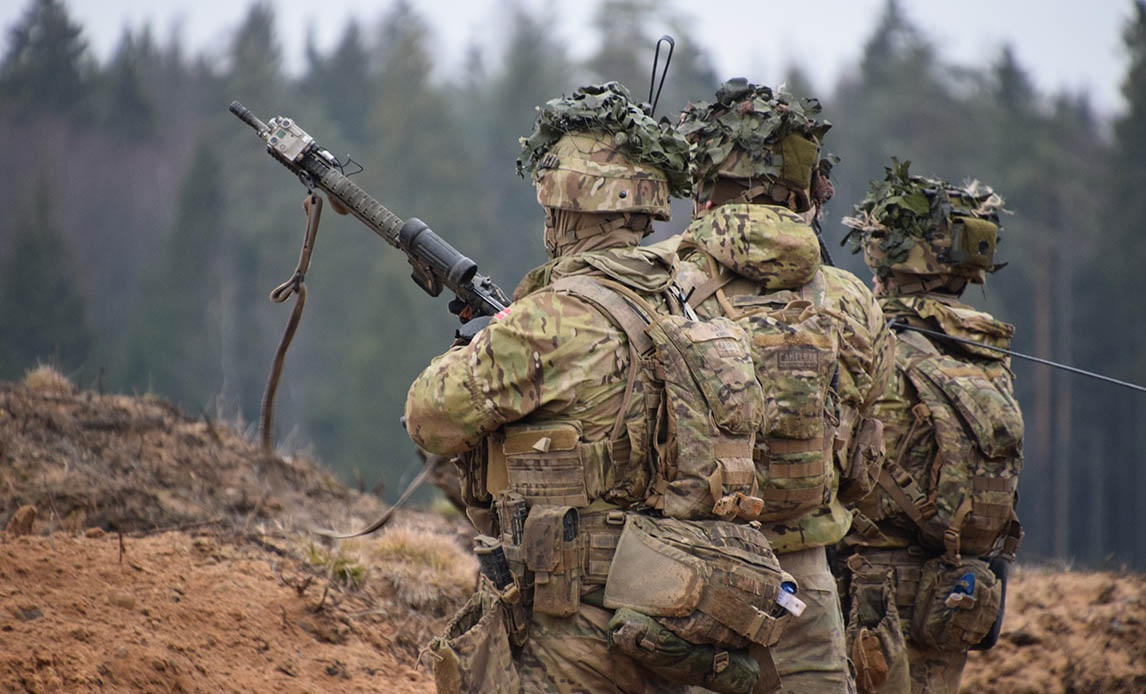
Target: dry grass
<point x="425" y="569"/>
<point x="47" y="379"/>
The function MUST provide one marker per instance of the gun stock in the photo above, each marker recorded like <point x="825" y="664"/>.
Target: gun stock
<point x="436" y="264"/>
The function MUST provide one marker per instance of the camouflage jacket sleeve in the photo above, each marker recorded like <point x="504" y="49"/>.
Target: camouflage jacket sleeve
<point x="551" y="356"/>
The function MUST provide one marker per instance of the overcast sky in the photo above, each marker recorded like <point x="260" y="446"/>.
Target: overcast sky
<point x="1072" y="45"/>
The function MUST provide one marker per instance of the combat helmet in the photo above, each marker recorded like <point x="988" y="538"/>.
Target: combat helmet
<point x="925" y="227"/>
<point x="759" y="136"/>
<point x="598" y="151"/>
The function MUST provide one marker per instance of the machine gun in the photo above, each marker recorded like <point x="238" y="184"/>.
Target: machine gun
<point x="436" y="263"/>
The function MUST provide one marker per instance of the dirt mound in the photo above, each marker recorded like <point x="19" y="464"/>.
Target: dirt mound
<point x="1067" y="631"/>
<point x="140" y="464"/>
<point x="146" y="550"/>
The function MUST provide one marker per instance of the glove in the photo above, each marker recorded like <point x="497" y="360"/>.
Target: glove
<point x="466" y="333"/>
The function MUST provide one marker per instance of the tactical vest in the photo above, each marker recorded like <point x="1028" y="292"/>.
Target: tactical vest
<point x="689" y="451"/>
<point x="795" y="349"/>
<point x="963" y="498"/>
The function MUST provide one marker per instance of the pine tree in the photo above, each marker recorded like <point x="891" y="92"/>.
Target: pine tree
<point x="47" y="66"/>
<point x="42" y="313"/>
<point x="174" y="345"/>
<point x="1114" y="320"/>
<point x="341" y="81"/>
<point x="125" y="109"/>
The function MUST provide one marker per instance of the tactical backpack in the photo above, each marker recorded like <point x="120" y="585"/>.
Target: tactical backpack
<point x="702" y="402"/>
<point x="964" y="499"/>
<point x="795" y="349"/>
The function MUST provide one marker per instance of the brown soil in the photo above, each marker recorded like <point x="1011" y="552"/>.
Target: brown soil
<point x="148" y="551"/>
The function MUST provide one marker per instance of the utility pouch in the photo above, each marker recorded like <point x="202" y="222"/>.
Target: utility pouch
<point x="710" y="582"/>
<point x="658" y="649"/>
<point x="473" y="654"/>
<point x="874" y="633"/>
<point x="552" y="551"/>
<point x="956" y="605"/>
<point x="1001" y="567"/>
<point x="866" y="458"/>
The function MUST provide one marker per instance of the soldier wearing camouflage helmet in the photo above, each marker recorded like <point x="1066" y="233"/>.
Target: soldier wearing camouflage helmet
<point x="820" y="344"/>
<point x="552" y="410"/>
<point x="927" y="555"/>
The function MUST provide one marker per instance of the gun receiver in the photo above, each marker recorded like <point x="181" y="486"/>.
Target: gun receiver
<point x="436" y="263"/>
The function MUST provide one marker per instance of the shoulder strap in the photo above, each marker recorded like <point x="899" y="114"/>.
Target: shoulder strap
<point x="623" y="306"/>
<point x="718" y="277"/>
<point x="620" y="305"/>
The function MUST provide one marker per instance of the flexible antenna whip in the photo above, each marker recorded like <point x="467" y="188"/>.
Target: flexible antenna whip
<point x="654" y="98"/>
<point x="896" y="324"/>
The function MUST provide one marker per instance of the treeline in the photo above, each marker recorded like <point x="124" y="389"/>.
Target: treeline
<point x="145" y="226"/>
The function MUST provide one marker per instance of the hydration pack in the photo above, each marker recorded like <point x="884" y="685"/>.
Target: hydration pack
<point x="796" y="352"/>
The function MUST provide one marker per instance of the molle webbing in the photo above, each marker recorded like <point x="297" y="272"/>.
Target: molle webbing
<point x="702" y="403"/>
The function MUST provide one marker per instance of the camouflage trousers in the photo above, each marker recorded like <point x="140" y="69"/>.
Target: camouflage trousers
<point x="930" y="671"/>
<point x="570" y="655"/>
<point x="811" y="656"/>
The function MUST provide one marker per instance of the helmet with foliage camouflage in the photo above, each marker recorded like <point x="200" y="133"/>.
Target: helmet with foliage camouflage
<point x="598" y="151"/>
<point x="752" y="132"/>
<point x="922" y="226"/>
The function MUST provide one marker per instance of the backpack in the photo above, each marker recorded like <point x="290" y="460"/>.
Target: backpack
<point x="796" y="351"/>
<point x="964" y="499"/>
<point x="703" y="402"/>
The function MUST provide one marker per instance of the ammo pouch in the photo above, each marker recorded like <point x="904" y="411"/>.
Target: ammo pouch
<point x="710" y="582"/>
<point x="473" y="654"/>
<point x="956" y="605"/>
<point x="551" y="550"/>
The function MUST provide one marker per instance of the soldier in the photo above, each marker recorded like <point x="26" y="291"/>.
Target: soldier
<point x="821" y="348"/>
<point x="558" y="410"/>
<point x="927" y="554"/>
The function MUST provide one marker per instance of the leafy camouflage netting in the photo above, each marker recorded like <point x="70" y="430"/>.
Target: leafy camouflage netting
<point x="746" y="133"/>
<point x="902" y="210"/>
<point x="609" y="108"/>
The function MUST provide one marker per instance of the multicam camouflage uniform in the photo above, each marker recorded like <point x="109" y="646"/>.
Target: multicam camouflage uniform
<point x="543" y="406"/>
<point x="953" y="434"/>
<point x="752" y="255"/>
